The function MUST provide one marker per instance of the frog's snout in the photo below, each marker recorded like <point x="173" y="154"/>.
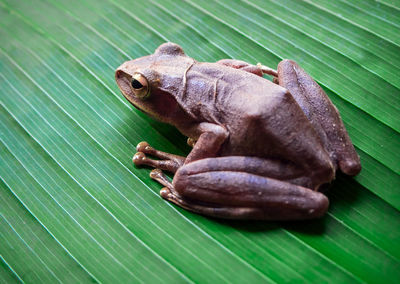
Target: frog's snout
<point x="122" y="70"/>
<point x="123" y="79"/>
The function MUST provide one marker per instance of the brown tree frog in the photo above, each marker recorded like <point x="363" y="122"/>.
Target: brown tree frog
<point x="261" y="149"/>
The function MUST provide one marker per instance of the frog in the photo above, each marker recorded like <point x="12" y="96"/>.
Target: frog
<point x="265" y="142"/>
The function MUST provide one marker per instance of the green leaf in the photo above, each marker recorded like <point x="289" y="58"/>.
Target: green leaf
<point x="74" y="208"/>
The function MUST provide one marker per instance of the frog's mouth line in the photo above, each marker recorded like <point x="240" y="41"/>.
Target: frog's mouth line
<point x="142" y="110"/>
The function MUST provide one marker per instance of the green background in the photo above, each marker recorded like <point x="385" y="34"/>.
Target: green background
<point x="74" y="208"/>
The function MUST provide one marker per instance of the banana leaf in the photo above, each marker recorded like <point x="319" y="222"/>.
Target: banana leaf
<point x="73" y="207"/>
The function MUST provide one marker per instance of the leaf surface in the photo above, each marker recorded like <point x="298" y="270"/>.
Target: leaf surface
<point x="75" y="209"/>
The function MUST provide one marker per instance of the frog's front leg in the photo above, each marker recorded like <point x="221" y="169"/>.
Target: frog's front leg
<point x="210" y="138"/>
<point x="214" y="188"/>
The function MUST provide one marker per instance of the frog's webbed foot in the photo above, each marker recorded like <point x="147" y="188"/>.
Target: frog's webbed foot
<point x="168" y="162"/>
<point x="267" y="70"/>
<point x="168" y="191"/>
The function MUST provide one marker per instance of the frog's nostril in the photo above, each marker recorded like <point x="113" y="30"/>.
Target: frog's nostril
<point x="118" y="74"/>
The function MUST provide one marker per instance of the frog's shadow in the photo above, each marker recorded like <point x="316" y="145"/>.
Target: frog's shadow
<point x="172" y="136"/>
<point x="342" y="193"/>
<point x="308" y="227"/>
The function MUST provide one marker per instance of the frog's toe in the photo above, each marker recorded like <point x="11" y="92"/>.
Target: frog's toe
<point x="350" y="166"/>
<point x="156" y="173"/>
<point x="166" y="193"/>
<point x="139" y="158"/>
<point x="169" y="162"/>
<point x="142" y="146"/>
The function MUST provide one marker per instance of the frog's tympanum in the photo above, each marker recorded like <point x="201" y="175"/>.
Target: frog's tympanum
<point x="261" y="149"/>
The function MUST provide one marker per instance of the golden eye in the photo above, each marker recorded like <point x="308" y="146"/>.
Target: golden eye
<point x="140" y="86"/>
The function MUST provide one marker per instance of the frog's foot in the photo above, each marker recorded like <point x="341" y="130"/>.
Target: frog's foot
<point x="158" y="175"/>
<point x="258" y="69"/>
<point x="267" y="70"/>
<point x="168" y="162"/>
<point x="168" y="191"/>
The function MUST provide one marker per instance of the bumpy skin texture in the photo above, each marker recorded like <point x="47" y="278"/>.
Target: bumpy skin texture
<point x="261" y="149"/>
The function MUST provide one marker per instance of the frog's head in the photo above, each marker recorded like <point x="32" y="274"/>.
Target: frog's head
<point x="155" y="83"/>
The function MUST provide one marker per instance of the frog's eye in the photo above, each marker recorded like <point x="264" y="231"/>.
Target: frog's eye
<point x="140" y="86"/>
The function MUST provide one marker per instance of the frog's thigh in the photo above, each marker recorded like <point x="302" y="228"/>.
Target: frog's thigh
<point x="322" y="113"/>
<point x="241" y="195"/>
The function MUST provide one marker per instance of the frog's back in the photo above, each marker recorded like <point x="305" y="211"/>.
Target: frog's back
<point x="226" y="92"/>
<point x="224" y="95"/>
<point x="262" y="118"/>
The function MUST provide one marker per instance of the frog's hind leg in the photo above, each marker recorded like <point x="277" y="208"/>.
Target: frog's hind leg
<point x="231" y="212"/>
<point x="323" y="115"/>
<point x="258" y="69"/>
<point x="221" y="190"/>
<point x="168" y="193"/>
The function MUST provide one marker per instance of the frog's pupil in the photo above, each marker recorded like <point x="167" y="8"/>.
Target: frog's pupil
<point x="136" y="84"/>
